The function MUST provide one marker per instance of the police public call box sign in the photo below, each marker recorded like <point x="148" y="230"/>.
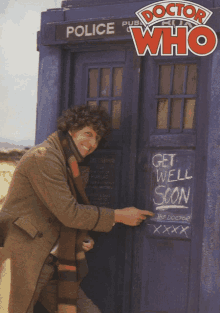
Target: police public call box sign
<point x="201" y="39"/>
<point x="154" y="31"/>
<point x="73" y="32"/>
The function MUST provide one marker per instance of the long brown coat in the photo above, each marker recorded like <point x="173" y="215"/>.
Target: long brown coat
<point x="38" y="201"/>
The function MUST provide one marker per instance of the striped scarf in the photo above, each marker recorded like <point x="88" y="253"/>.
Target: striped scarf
<point x="72" y="266"/>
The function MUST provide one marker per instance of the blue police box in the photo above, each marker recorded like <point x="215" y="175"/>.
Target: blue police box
<point x="163" y="154"/>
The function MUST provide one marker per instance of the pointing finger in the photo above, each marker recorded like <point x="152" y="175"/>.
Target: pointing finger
<point x="145" y="212"/>
<point x="143" y="217"/>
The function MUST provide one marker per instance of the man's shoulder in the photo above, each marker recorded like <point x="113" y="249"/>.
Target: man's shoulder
<point x="43" y="152"/>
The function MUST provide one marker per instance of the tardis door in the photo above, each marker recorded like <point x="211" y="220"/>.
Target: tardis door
<point x="108" y="78"/>
<point x="170" y="182"/>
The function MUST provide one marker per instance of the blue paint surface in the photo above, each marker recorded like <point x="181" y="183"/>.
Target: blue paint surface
<point x="48" y="91"/>
<point x="176" y="269"/>
<point x="210" y="272"/>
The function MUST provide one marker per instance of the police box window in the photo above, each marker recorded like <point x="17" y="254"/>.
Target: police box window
<point x="104" y="89"/>
<point x="176" y="97"/>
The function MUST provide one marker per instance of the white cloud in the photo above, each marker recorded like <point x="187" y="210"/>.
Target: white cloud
<point x="19" y="45"/>
<point x="18" y="109"/>
<point x="19" y="59"/>
<point x="33" y="92"/>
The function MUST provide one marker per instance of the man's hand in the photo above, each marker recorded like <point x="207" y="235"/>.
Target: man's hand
<point x="88" y="244"/>
<point x="131" y="216"/>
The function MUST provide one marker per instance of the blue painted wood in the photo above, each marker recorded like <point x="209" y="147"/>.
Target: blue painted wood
<point x="101" y="283"/>
<point x="174" y="140"/>
<point x="206" y="3"/>
<point x="52" y="15"/>
<point x="49" y="81"/>
<point x="202" y="111"/>
<point x="83" y="61"/>
<point x="120" y="9"/>
<point x="105" y="11"/>
<point x="216" y="3"/>
<point x="83" y="3"/>
<point x="214" y="20"/>
<point x="164" y="275"/>
<point x="50" y="92"/>
<point x="86" y="3"/>
<point x="114" y="284"/>
<point x="66" y="81"/>
<point x="100" y="12"/>
<point x="130" y="139"/>
<point x="49" y="87"/>
<point x="147" y="139"/>
<point x="210" y="274"/>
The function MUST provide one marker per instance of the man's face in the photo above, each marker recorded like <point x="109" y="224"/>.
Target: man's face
<point x="86" y="140"/>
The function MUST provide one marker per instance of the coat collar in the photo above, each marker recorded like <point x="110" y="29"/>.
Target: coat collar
<point x="69" y="147"/>
<point x="55" y="140"/>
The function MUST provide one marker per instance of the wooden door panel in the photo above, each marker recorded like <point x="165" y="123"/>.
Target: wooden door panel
<point x="166" y="180"/>
<point x="103" y="78"/>
<point x="165" y="275"/>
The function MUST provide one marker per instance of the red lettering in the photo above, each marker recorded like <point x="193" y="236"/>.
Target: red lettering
<point x="179" y="6"/>
<point x="155" y="12"/>
<point x="168" y="9"/>
<point x="165" y="38"/>
<point x="179" y="40"/>
<point x="147" y="15"/>
<point x="199" y="15"/>
<point x="189" y="7"/>
<point x="144" y="41"/>
<point x="206" y="48"/>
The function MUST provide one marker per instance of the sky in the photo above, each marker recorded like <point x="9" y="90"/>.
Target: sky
<point x="19" y="58"/>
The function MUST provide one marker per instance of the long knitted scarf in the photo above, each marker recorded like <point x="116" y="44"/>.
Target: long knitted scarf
<point x="71" y="257"/>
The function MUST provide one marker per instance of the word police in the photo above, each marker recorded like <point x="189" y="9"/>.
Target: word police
<point x="200" y="40"/>
<point x="91" y="30"/>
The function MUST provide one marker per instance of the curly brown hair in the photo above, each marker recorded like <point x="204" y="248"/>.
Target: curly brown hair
<point x="78" y="117"/>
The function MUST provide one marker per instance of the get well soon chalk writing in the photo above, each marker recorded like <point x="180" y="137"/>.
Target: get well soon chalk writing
<point x="166" y="197"/>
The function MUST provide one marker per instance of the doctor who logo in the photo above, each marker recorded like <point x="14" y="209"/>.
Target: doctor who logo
<point x="201" y="39"/>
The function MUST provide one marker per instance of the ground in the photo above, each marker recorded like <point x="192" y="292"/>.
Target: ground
<point x="8" y="162"/>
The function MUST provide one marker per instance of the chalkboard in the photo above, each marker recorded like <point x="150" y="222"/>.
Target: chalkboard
<point x="104" y="175"/>
<point x="172" y="183"/>
<point x="172" y="178"/>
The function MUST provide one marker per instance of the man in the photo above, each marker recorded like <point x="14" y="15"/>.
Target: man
<point x="46" y="201"/>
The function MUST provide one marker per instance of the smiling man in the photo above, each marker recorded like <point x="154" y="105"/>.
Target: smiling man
<point x="46" y="216"/>
<point x="86" y="140"/>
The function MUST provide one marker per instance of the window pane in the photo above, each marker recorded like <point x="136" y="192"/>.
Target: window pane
<point x="104" y="105"/>
<point x="162" y="112"/>
<point x="116" y="114"/>
<point x="105" y="82"/>
<point x="175" y="114"/>
<point x="93" y="83"/>
<point x="178" y="79"/>
<point x="117" y="81"/>
<point x="92" y="103"/>
<point x="191" y="79"/>
<point x="165" y="71"/>
<point x="189" y="112"/>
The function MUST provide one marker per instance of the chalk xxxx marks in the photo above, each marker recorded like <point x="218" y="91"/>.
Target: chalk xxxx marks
<point x="170" y="230"/>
